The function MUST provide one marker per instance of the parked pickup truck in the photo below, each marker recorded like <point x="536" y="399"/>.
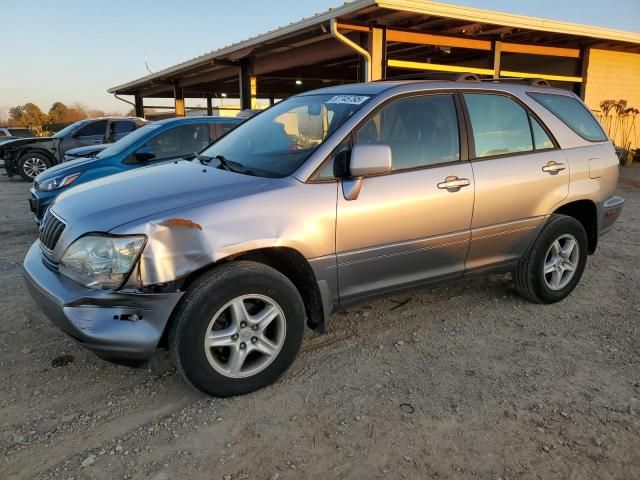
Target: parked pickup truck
<point x="29" y="157"/>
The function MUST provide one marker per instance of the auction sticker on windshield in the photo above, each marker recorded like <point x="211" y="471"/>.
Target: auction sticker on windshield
<point x="349" y="99"/>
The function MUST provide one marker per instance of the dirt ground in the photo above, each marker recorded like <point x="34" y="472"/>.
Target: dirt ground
<point x="460" y="381"/>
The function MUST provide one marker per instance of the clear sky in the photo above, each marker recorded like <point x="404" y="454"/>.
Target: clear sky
<point x="73" y="50"/>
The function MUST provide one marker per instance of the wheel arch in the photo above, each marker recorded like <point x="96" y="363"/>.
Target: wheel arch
<point x="585" y="212"/>
<point x="288" y="261"/>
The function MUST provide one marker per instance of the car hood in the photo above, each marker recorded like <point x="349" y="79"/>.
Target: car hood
<point x="106" y="203"/>
<point x="28" y="141"/>
<point x="67" y="168"/>
<point x="88" y="150"/>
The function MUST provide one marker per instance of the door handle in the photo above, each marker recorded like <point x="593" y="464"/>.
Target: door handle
<point x="553" y="167"/>
<point x="454" y="183"/>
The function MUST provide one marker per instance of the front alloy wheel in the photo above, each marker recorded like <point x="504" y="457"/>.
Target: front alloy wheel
<point x="245" y="336"/>
<point x="237" y="329"/>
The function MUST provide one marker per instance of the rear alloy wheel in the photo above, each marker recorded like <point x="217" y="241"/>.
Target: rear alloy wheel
<point x="31" y="165"/>
<point x="554" y="264"/>
<point x="237" y="329"/>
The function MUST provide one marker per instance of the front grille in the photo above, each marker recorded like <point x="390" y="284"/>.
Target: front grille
<point x="50" y="230"/>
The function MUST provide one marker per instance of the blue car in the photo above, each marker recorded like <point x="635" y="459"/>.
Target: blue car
<point x="154" y="143"/>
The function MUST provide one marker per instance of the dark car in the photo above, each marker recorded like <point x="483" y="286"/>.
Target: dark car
<point x="89" y="151"/>
<point x="18" y="132"/>
<point x="29" y="157"/>
<point x="151" y="144"/>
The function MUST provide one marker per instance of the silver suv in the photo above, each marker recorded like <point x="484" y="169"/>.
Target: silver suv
<point x="325" y="199"/>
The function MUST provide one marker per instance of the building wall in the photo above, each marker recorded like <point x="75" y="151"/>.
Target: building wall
<point x="615" y="76"/>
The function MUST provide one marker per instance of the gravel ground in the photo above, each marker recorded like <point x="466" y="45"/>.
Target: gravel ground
<point x="460" y="381"/>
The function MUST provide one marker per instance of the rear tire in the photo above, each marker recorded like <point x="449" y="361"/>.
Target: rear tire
<point x="553" y="265"/>
<point x="31" y="165"/>
<point x="237" y="329"/>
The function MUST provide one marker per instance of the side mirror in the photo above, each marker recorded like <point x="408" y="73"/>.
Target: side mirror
<point x="367" y="159"/>
<point x="144" y="154"/>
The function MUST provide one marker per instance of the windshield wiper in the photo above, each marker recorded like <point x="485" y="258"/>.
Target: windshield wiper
<point x="233" y="166"/>
<point x="224" y="163"/>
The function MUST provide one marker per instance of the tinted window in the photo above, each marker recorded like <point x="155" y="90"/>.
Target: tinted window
<point x="216" y="130"/>
<point x="122" y="126"/>
<point x="20" y="132"/>
<point x="93" y="129"/>
<point x="574" y="114"/>
<point x="500" y="126"/>
<point x="541" y="139"/>
<point x="420" y="131"/>
<point x="2" y="134"/>
<point x="180" y="141"/>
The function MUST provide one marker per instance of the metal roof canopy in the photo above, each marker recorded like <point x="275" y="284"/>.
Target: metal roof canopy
<point x="306" y="50"/>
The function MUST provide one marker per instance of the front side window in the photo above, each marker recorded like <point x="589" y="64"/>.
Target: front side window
<point x="180" y="141"/>
<point x="574" y="114"/>
<point x="500" y="126"/>
<point x="93" y="129"/>
<point x="279" y="140"/>
<point x="420" y="131"/>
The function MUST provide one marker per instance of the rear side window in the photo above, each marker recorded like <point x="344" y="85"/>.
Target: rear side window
<point x="541" y="138"/>
<point x="574" y="114"/>
<point x="216" y="130"/>
<point x="122" y="126"/>
<point x="20" y="132"/>
<point x="500" y="126"/>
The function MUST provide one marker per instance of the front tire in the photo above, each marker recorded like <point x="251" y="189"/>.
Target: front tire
<point x="554" y="264"/>
<point x="31" y="165"/>
<point x="238" y="329"/>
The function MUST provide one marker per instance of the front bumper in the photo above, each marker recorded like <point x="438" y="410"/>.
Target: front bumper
<point x="100" y="320"/>
<point x="610" y="212"/>
<point x="39" y="202"/>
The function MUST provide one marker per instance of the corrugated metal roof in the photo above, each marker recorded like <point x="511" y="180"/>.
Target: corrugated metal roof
<point x="293" y="27"/>
<point x="418" y="6"/>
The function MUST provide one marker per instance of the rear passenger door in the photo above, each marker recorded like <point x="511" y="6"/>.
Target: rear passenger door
<point x="411" y="225"/>
<point x="520" y="176"/>
<point x="119" y="129"/>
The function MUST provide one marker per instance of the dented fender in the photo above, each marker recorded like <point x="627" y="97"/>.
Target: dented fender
<point x="182" y="241"/>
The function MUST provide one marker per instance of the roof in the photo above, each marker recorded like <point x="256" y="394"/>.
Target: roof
<point x="244" y="48"/>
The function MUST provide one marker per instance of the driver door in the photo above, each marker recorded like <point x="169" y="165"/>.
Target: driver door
<point x="93" y="133"/>
<point x="413" y="224"/>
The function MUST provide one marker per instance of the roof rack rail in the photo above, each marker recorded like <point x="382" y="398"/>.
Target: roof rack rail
<point x="532" y="82"/>
<point x="447" y="77"/>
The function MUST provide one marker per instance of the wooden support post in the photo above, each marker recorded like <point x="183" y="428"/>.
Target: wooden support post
<point x="496" y="54"/>
<point x="376" y="50"/>
<point x="209" y="107"/>
<point x="245" y="83"/>
<point x="178" y="95"/>
<point x="139" y="106"/>
<point x="585" y="72"/>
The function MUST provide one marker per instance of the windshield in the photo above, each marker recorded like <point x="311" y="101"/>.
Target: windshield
<point x="276" y="142"/>
<point x="125" y="142"/>
<point x="68" y="129"/>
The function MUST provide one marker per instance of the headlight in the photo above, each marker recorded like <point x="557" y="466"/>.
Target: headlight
<point x="58" y="182"/>
<point x="101" y="261"/>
